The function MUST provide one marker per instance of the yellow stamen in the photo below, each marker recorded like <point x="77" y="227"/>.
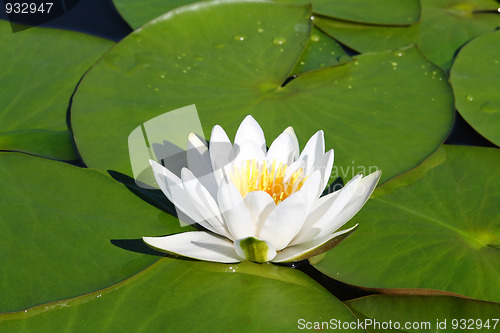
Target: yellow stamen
<point x="252" y="177"/>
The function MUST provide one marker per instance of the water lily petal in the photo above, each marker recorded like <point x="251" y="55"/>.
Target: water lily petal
<point x="199" y="162"/>
<point x="324" y="215"/>
<point x="260" y="204"/>
<point x="173" y="189"/>
<point x="282" y="150"/>
<point x="292" y="168"/>
<point x="307" y="233"/>
<point x="197" y="245"/>
<point x="248" y="150"/>
<point x="325" y="165"/>
<point x="312" y="188"/>
<point x="362" y="193"/>
<point x="284" y="221"/>
<point x="314" y="149"/>
<point x="253" y="249"/>
<point x="238" y="220"/>
<point x="310" y="249"/>
<point x="296" y="149"/>
<point x="167" y="180"/>
<point x="220" y="148"/>
<point x="203" y="202"/>
<point x="250" y="130"/>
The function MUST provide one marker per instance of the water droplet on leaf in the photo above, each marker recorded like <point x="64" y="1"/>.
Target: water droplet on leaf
<point x="315" y="38"/>
<point x="279" y="40"/>
<point x="491" y="106"/>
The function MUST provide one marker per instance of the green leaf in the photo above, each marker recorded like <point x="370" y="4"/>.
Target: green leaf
<point x="189" y="296"/>
<point x="364" y="106"/>
<point x="474" y="77"/>
<point x="391" y="12"/>
<point x="385" y="12"/>
<point x="137" y="13"/>
<point x="368" y="38"/>
<point x="427" y="314"/>
<point x="59" y="227"/>
<point x="41" y="68"/>
<point x="436" y="227"/>
<point x="445" y="26"/>
<point x="53" y="144"/>
<point x="322" y="51"/>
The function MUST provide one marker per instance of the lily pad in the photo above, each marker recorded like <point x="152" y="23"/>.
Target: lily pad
<point x="384" y="12"/>
<point x="436" y="227"/>
<point x="137" y="13"/>
<point x="445" y="26"/>
<point x="53" y="144"/>
<point x="427" y="314"/>
<point x="368" y="38"/>
<point x="391" y="12"/>
<point x="59" y="224"/>
<point x="322" y="51"/>
<point x="41" y="68"/>
<point x="189" y="56"/>
<point x="183" y="296"/>
<point x="474" y="77"/>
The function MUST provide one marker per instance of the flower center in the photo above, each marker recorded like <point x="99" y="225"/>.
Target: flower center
<point x="270" y="179"/>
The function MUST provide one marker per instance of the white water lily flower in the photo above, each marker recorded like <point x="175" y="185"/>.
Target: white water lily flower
<point x="257" y="204"/>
